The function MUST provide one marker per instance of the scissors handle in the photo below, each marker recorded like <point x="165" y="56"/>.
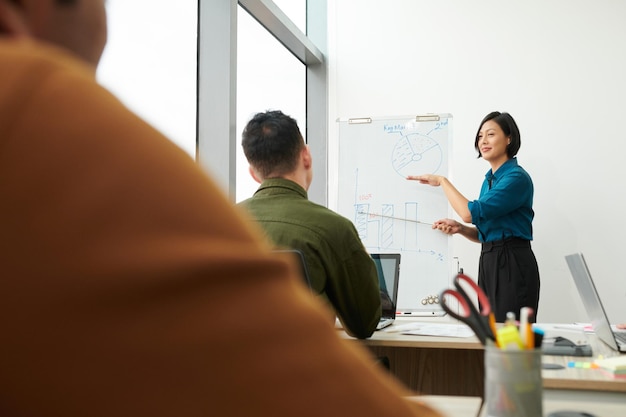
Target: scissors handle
<point x="483" y="301"/>
<point x="483" y="321"/>
<point x="463" y="302"/>
<point x="486" y="313"/>
<point x="470" y="315"/>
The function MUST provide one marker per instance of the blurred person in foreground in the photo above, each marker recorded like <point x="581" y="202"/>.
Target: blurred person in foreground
<point x="131" y="286"/>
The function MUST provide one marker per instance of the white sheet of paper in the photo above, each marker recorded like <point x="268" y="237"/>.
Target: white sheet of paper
<point x="445" y="330"/>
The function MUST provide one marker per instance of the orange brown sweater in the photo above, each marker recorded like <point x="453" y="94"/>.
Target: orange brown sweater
<point x="132" y="287"/>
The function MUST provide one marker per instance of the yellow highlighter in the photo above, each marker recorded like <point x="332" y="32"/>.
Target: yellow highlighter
<point x="508" y="338"/>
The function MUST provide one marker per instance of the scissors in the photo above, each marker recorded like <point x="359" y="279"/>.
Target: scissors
<point x="482" y="322"/>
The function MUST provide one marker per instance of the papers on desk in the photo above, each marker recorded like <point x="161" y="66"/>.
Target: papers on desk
<point x="438" y="329"/>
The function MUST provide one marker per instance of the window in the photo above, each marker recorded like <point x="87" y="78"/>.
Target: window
<point x="153" y="71"/>
<point x="176" y="69"/>
<point x="269" y="77"/>
<point x="220" y="114"/>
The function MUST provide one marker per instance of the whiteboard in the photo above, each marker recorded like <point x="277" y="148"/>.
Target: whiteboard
<point x="391" y="213"/>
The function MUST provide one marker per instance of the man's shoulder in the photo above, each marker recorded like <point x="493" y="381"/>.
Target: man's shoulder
<point x="300" y="211"/>
<point x="334" y="224"/>
<point x="328" y="213"/>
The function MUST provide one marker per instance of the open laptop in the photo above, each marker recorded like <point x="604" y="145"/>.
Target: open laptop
<point x="388" y="267"/>
<point x="591" y="300"/>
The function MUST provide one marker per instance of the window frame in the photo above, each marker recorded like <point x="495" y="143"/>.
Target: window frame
<point x="217" y="84"/>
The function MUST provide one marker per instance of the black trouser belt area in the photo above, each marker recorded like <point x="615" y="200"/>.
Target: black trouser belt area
<point x="510" y="241"/>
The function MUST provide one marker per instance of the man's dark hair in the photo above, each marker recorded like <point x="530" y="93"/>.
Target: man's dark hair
<point x="272" y="143"/>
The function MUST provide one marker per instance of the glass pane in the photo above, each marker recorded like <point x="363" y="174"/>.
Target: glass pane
<point x="152" y="70"/>
<point x="295" y="11"/>
<point x="269" y="77"/>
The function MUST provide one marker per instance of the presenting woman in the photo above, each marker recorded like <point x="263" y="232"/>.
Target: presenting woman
<point x="502" y="217"/>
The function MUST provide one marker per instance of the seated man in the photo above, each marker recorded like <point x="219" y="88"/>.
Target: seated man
<point x="131" y="285"/>
<point x="340" y="269"/>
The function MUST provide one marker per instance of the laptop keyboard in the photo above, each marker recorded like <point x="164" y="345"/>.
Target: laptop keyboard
<point x="384" y="323"/>
<point x="621" y="336"/>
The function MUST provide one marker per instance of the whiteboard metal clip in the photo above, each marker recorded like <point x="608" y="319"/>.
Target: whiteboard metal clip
<point x="427" y="118"/>
<point x="360" y="120"/>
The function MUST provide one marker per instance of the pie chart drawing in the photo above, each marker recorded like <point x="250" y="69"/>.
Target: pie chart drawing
<point x="416" y="154"/>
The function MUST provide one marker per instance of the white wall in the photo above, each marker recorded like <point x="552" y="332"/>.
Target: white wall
<point x="558" y="66"/>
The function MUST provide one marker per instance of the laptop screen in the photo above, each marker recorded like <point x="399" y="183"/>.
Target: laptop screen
<point x="388" y="268"/>
<point x="591" y="299"/>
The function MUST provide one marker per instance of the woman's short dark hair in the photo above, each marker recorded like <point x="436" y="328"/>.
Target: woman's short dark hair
<point x="508" y="126"/>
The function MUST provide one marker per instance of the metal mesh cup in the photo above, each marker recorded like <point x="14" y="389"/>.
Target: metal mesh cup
<point x="513" y="384"/>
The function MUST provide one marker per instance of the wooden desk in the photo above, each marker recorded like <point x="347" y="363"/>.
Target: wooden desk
<point x="578" y="379"/>
<point x="431" y="365"/>
<point x="455" y="366"/>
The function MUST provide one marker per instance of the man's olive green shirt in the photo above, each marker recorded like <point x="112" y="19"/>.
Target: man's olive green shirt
<point x="340" y="268"/>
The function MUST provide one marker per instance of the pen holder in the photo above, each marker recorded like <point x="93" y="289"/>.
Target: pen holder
<point x="513" y="384"/>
